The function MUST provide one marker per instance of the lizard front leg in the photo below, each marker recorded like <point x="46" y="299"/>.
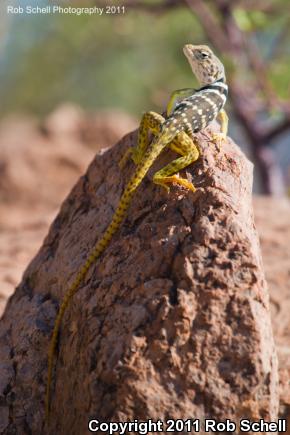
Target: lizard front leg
<point x="177" y="95"/>
<point x="190" y="153"/>
<point x="220" y="138"/>
<point x="150" y="122"/>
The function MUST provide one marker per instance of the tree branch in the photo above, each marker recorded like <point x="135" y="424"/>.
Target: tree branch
<point x="210" y="24"/>
<point x="278" y="129"/>
<point x="227" y="37"/>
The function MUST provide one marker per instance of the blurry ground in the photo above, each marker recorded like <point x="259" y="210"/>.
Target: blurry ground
<point x="39" y="165"/>
<point x="272" y="218"/>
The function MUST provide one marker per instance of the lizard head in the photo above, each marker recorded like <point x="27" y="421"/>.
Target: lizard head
<point x="204" y="64"/>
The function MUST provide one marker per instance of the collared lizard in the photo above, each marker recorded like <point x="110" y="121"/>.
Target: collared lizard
<point x="195" y="110"/>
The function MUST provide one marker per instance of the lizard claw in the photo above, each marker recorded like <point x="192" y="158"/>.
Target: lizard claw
<point x="219" y="139"/>
<point x="182" y="182"/>
<point x="187" y="184"/>
<point x="175" y="179"/>
<point x="164" y="185"/>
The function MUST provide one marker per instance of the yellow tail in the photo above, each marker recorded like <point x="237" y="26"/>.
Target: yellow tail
<point x="94" y="255"/>
<point x="99" y="248"/>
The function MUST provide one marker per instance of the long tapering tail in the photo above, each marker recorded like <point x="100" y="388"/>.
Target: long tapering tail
<point x="94" y="255"/>
<point x="99" y="248"/>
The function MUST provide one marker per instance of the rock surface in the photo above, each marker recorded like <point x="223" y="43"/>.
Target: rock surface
<point x="172" y="322"/>
<point x="272" y="219"/>
<point x="38" y="166"/>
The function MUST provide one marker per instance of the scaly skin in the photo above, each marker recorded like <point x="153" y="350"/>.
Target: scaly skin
<point x="150" y="156"/>
<point x="189" y="116"/>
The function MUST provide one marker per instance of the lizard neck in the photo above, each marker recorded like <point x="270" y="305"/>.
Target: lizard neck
<point x="221" y="81"/>
<point x="219" y="85"/>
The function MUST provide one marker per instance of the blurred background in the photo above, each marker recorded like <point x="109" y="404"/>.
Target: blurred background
<point x="130" y="58"/>
<point x="71" y="84"/>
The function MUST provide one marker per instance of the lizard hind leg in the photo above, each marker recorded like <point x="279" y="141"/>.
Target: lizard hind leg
<point x="168" y="174"/>
<point x="150" y="122"/>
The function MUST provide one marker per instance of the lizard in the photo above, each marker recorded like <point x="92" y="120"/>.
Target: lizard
<point x="188" y="111"/>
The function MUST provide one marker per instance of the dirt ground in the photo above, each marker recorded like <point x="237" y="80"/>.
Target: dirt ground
<point x="39" y="164"/>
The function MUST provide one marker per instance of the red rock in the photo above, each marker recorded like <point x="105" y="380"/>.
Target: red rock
<point x="173" y="320"/>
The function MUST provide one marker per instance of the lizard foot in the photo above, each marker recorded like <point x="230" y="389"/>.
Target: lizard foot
<point x="183" y="182"/>
<point x="176" y="180"/>
<point x="162" y="184"/>
<point x="124" y="159"/>
<point x="219" y="139"/>
<point x="130" y="152"/>
<point x="136" y="156"/>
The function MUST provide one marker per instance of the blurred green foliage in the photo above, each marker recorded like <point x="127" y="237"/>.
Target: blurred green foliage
<point x="273" y="38"/>
<point x="130" y="61"/>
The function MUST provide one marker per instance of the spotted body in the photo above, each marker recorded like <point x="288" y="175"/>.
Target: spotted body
<point x="193" y="113"/>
